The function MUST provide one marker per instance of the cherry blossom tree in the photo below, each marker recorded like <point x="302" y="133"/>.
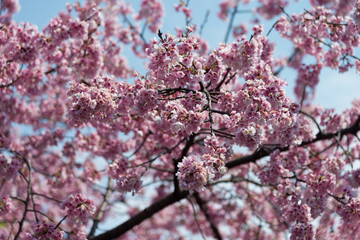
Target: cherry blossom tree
<point x="200" y="143"/>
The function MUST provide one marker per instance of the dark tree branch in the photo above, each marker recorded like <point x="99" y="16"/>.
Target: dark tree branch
<point x="217" y="88"/>
<point x="50" y="71"/>
<point x="141" y="216"/>
<point x="170" y="91"/>
<point x="224" y="133"/>
<point x="8" y="84"/>
<point x="203" y="208"/>
<point x="312" y="118"/>
<point x="262" y="152"/>
<point x="34" y="208"/>
<point x="59" y="223"/>
<point x="177" y="196"/>
<point x="28" y="192"/>
<point x="230" y="78"/>
<point x="220" y="112"/>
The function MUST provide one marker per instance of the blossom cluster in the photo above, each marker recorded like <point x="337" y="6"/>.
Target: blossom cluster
<point x="152" y="11"/>
<point x="118" y="167"/>
<point x="6" y="205"/>
<point x="129" y="182"/>
<point x="45" y="231"/>
<point x="327" y="35"/>
<point x="8" y="169"/>
<point x="176" y="63"/>
<point x="350" y="213"/>
<point x="196" y="171"/>
<point x="92" y="101"/>
<point x="79" y="208"/>
<point x="192" y="173"/>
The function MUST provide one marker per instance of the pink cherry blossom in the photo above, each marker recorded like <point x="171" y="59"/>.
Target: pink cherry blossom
<point x="116" y="122"/>
<point x="79" y="209"/>
<point x="44" y="231"/>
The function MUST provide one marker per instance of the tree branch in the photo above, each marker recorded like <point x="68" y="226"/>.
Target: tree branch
<point x="102" y="209"/>
<point x="232" y="17"/>
<point x="141" y="216"/>
<point x="28" y="192"/>
<point x="262" y="152"/>
<point x="204" y="22"/>
<point x="203" y="208"/>
<point x="177" y="196"/>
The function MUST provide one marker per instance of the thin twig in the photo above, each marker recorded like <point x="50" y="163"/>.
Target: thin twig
<point x="288" y="16"/>
<point x="296" y="51"/>
<point x="141" y="145"/>
<point x="196" y="218"/>
<point x="204" y="22"/>
<point x="303" y="96"/>
<point x="204" y="90"/>
<point x="159" y="155"/>
<point x="225" y="133"/>
<point x="232" y="17"/>
<point x="312" y="118"/>
<point x="230" y="78"/>
<point x="42" y="195"/>
<point x="8" y="84"/>
<point x="35" y="213"/>
<point x="133" y="28"/>
<point x="12" y="229"/>
<point x="272" y="27"/>
<point x="28" y="192"/>
<point x="63" y="219"/>
<point x="102" y="209"/>
<point x="217" y="88"/>
<point x="143" y="29"/>
<point x="203" y="208"/>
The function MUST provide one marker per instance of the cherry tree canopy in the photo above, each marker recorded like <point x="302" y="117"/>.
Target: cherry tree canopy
<point x="203" y="144"/>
